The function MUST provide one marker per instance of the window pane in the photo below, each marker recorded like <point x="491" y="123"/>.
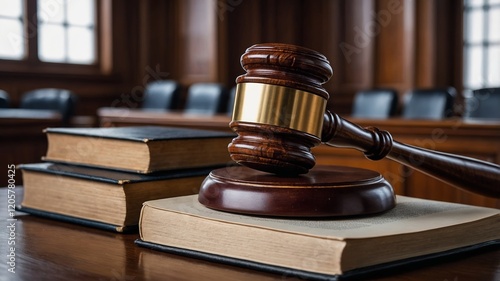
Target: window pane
<point x="81" y="12"/>
<point x="81" y="45"/>
<point x="494" y="66"/>
<point x="494" y="26"/>
<point x="473" y="67"/>
<point x="474" y="26"/>
<point x="11" y="39"/>
<point x="11" y="8"/>
<point x="51" y="43"/>
<point x="51" y="11"/>
<point x="474" y="3"/>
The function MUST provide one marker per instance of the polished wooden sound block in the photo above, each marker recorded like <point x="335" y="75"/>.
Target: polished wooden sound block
<point x="325" y="191"/>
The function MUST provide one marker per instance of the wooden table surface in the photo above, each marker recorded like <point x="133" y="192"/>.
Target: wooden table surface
<point x="51" y="250"/>
<point x="109" y="117"/>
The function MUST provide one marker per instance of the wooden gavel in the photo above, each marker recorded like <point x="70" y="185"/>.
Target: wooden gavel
<point x="280" y="114"/>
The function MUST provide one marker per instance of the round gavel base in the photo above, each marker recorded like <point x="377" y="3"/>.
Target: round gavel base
<point x="325" y="191"/>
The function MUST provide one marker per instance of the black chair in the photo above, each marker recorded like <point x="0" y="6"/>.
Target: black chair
<point x="161" y="94"/>
<point x="4" y="99"/>
<point x="61" y="100"/>
<point x="375" y="103"/>
<point x="484" y="104"/>
<point x="429" y="103"/>
<point x="206" y="99"/>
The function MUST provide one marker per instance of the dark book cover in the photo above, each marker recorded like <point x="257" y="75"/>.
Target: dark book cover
<point x="79" y="221"/>
<point x="112" y="176"/>
<point x="142" y="133"/>
<point x="101" y="175"/>
<point x="370" y="271"/>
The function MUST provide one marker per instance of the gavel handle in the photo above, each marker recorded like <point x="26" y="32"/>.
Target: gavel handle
<point x="463" y="172"/>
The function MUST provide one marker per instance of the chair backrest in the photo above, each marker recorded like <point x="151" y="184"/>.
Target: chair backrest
<point x="484" y="103"/>
<point x="206" y="99"/>
<point x="61" y="100"/>
<point x="161" y="94"/>
<point x="375" y="103"/>
<point x="429" y="103"/>
<point x="4" y="99"/>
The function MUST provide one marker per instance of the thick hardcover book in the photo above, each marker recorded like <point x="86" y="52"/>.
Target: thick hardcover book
<point x="143" y="149"/>
<point x="97" y="197"/>
<point x="416" y="230"/>
<point x="384" y="268"/>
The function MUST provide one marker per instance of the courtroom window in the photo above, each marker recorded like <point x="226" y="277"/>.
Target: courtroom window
<point x="481" y="44"/>
<point x="49" y="31"/>
<point x="11" y="30"/>
<point x="66" y="31"/>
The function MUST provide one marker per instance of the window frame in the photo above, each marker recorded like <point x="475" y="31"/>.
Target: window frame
<point x="31" y="64"/>
<point x="485" y="45"/>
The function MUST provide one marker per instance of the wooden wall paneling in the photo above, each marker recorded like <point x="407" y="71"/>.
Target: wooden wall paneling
<point x="282" y="21"/>
<point x="162" y="47"/>
<point x="455" y="49"/>
<point x="252" y="22"/>
<point x="426" y="44"/>
<point x="320" y="19"/>
<point x="244" y="25"/>
<point x="156" y="44"/>
<point x="438" y="54"/>
<point x="446" y="29"/>
<point x="395" y="45"/>
<point x="223" y="45"/>
<point x="198" y="41"/>
<point x="105" y="44"/>
<point x="346" y="47"/>
<point x="145" y="34"/>
<point x="125" y="24"/>
<point x="31" y="45"/>
<point x="358" y="55"/>
<point x="449" y="51"/>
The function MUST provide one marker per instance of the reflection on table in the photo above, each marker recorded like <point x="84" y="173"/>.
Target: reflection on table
<point x="52" y="250"/>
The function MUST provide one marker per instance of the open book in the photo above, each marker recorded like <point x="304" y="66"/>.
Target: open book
<point x="331" y="247"/>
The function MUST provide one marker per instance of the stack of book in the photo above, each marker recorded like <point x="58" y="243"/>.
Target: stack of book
<point x="100" y="177"/>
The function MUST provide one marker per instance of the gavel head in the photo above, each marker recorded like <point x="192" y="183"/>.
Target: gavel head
<point x="279" y="108"/>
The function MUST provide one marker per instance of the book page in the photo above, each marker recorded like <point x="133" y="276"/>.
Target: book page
<point x="409" y="215"/>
